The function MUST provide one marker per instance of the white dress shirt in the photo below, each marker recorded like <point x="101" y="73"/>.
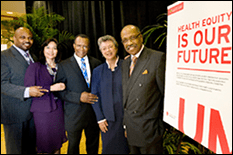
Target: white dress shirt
<point x="138" y="54"/>
<point x="78" y="59"/>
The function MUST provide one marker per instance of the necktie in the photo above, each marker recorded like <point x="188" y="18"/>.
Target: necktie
<point x="28" y="58"/>
<point x="54" y="73"/>
<point x="134" y="59"/>
<point x="84" y="70"/>
<point x="54" y="69"/>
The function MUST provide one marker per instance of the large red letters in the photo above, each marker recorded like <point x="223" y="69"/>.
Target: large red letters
<point x="216" y="128"/>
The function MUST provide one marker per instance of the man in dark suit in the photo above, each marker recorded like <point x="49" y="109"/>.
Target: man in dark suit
<point x="75" y="72"/>
<point x="143" y="91"/>
<point x="15" y="98"/>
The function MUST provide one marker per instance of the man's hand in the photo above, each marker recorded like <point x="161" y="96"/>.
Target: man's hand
<point x="103" y="126"/>
<point x="126" y="57"/>
<point x="88" y="98"/>
<point x="57" y="87"/>
<point x="36" y="91"/>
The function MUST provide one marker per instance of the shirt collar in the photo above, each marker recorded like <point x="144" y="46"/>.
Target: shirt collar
<point x="139" y="53"/>
<point x="115" y="63"/>
<point x="78" y="59"/>
<point x="20" y="50"/>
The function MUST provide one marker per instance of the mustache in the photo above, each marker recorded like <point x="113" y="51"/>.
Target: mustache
<point x="133" y="45"/>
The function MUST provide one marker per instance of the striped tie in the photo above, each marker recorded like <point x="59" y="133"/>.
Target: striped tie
<point x="134" y="60"/>
<point x="28" y="58"/>
<point x="84" y="71"/>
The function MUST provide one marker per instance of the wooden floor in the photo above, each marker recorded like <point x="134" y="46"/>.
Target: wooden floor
<point x="64" y="146"/>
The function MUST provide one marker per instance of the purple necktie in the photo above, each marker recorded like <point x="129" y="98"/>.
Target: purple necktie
<point x="28" y="58"/>
<point x="54" y="69"/>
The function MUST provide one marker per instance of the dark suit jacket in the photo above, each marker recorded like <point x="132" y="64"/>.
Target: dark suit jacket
<point x="76" y="112"/>
<point x="38" y="75"/>
<point x="14" y="108"/>
<point x="143" y="95"/>
<point x="102" y="87"/>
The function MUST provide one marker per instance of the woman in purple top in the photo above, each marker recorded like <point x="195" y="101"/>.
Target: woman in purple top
<point x="47" y="110"/>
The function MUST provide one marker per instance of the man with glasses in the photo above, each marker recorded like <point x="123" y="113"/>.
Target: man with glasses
<point x="143" y="91"/>
<point x="75" y="72"/>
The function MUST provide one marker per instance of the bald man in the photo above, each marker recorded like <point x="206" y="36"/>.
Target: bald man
<point x="143" y="90"/>
<point x="15" y="98"/>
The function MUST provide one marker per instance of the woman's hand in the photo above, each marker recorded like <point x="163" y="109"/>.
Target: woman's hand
<point x="57" y="87"/>
<point x="103" y="126"/>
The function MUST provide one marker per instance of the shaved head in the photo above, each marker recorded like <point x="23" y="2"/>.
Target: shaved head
<point x="131" y="27"/>
<point x="18" y="30"/>
<point x="23" y="38"/>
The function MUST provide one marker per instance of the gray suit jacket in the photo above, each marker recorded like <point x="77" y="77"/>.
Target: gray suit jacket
<point x="14" y="108"/>
<point x="143" y="95"/>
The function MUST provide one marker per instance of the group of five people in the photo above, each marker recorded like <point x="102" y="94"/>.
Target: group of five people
<point x="122" y="98"/>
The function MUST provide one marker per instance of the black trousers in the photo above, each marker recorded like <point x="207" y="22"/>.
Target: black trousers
<point x="153" y="148"/>
<point x="92" y="139"/>
<point x="20" y="138"/>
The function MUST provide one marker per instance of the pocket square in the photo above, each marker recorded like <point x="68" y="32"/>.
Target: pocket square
<point x="145" y="72"/>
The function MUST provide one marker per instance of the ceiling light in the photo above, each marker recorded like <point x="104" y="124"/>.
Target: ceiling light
<point x="9" y="13"/>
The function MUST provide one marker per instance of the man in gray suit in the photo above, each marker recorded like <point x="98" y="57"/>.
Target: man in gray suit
<point x="15" y="98"/>
<point x="143" y="90"/>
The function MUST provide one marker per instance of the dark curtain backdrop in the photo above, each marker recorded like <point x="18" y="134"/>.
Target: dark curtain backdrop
<point x="98" y="18"/>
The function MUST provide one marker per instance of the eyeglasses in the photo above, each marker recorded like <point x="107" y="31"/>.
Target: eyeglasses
<point x="109" y="47"/>
<point x="132" y="38"/>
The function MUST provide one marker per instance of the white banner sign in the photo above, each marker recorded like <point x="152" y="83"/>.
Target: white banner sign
<point x="198" y="86"/>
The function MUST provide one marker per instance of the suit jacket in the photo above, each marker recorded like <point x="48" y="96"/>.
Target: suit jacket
<point x="14" y="108"/>
<point x="102" y="87"/>
<point x="143" y="95"/>
<point x="76" y="112"/>
<point x="38" y="75"/>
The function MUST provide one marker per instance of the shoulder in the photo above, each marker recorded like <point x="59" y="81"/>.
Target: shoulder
<point x="154" y="52"/>
<point x="66" y="61"/>
<point x="94" y="60"/>
<point x="5" y="52"/>
<point x="8" y="52"/>
<point x="126" y="61"/>
<point x="34" y="66"/>
<point x="99" y="68"/>
<point x="97" y="73"/>
<point x="120" y="61"/>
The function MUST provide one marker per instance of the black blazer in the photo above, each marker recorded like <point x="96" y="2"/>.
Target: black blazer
<point x="143" y="95"/>
<point x="14" y="108"/>
<point x="76" y="112"/>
